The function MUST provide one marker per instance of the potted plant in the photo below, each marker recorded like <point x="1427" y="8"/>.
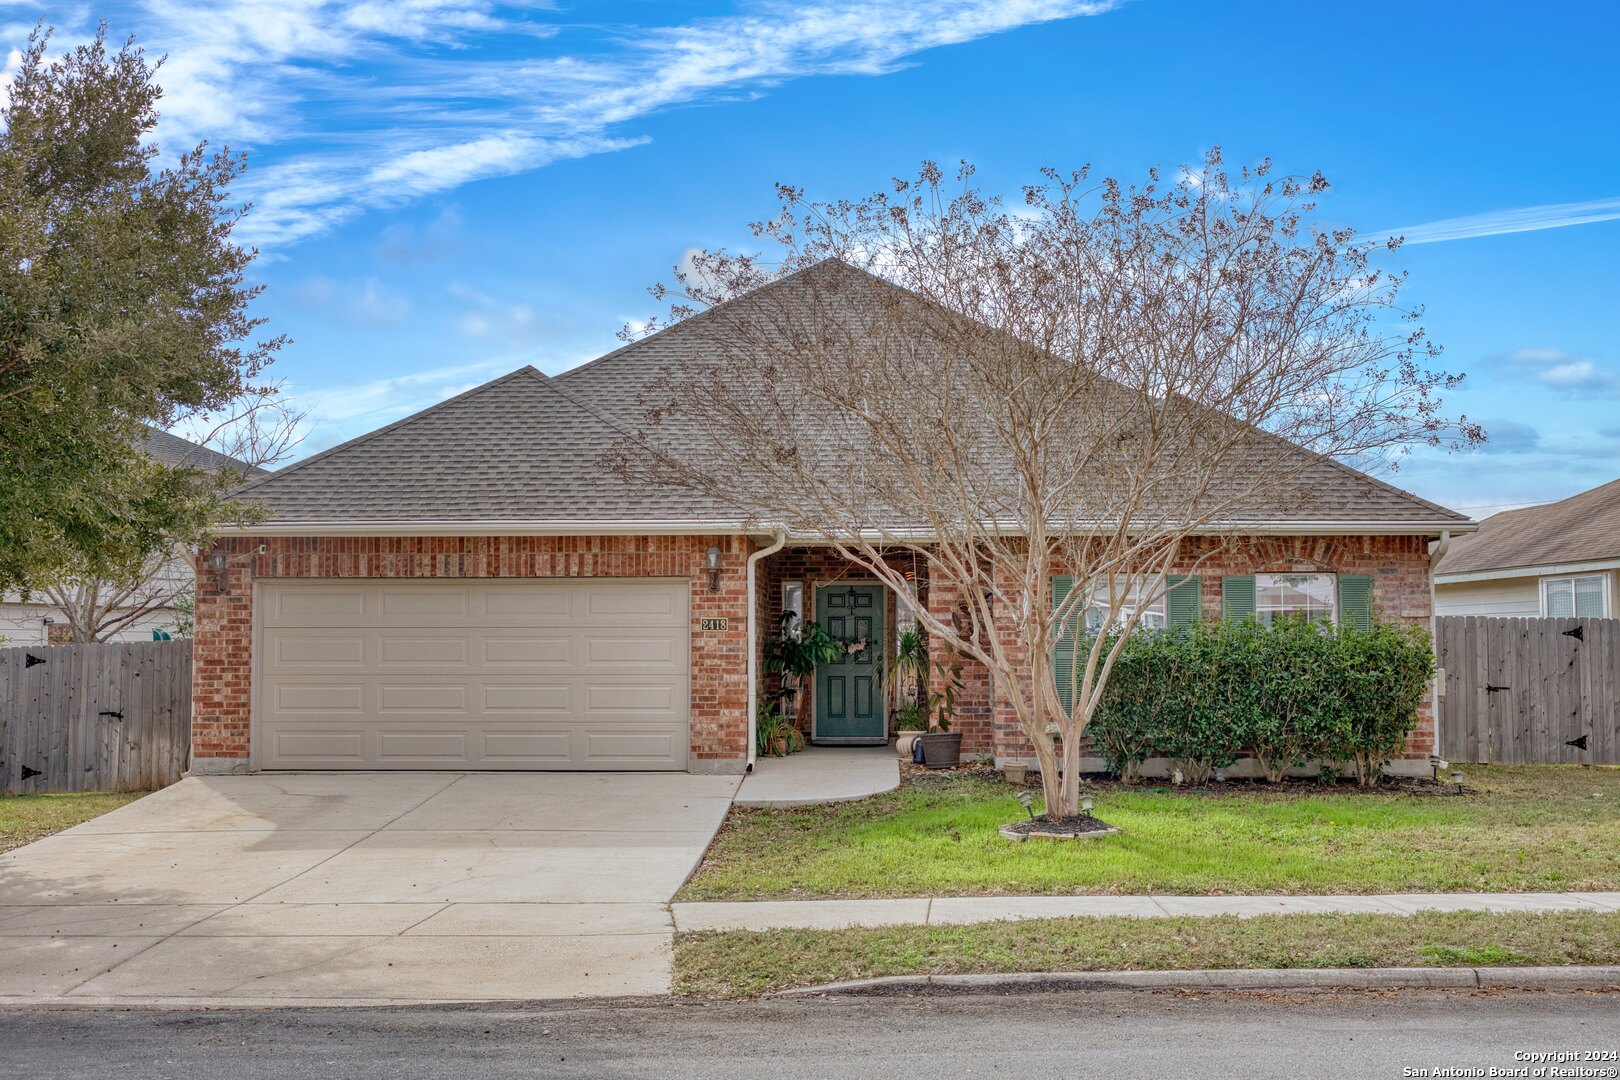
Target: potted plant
<point x="774" y="734"/>
<point x="798" y="649"/>
<point x="910" y="721"/>
<point x="942" y="747"/>
<point x="908" y="675"/>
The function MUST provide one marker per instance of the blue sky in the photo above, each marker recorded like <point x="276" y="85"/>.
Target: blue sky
<point x="448" y="189"/>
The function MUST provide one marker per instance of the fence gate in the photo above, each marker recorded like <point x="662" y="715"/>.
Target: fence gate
<point x="1529" y="691"/>
<point x="113" y="717"/>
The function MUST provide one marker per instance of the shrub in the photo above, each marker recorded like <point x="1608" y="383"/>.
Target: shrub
<point x="1122" y="728"/>
<point x="1379" y="678"/>
<point x="1287" y="693"/>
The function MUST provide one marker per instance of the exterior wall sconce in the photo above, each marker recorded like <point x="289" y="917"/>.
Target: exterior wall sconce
<point x="712" y="561"/>
<point x="217" y="561"/>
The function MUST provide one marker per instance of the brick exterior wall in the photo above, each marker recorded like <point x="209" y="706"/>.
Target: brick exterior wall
<point x="222" y="690"/>
<point x="1398" y="565"/>
<point x="222" y="673"/>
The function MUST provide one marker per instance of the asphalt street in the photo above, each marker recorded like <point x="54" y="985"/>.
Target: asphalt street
<point x="1113" y="1034"/>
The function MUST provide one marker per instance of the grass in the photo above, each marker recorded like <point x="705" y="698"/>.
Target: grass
<point x="744" y="964"/>
<point x="1518" y="829"/>
<point x="26" y="818"/>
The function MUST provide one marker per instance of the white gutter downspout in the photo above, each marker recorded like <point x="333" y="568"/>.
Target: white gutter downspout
<point x="753" y="641"/>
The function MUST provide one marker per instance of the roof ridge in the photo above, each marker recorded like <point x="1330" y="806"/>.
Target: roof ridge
<point x="700" y="316"/>
<point x="437" y="406"/>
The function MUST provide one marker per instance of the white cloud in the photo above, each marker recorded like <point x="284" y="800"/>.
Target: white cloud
<point x="369" y="301"/>
<point x="406" y="101"/>
<point x="8" y="73"/>
<point x="1567" y="372"/>
<point x="486" y="317"/>
<point x="1499" y="222"/>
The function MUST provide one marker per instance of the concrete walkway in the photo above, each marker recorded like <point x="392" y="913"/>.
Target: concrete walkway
<point x="821" y="774"/>
<point x="963" y="910"/>
<point x="360" y="888"/>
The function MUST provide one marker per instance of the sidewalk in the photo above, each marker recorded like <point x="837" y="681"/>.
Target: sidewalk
<point x="963" y="910"/>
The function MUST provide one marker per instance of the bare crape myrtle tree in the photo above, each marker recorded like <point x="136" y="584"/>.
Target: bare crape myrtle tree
<point x="1076" y="385"/>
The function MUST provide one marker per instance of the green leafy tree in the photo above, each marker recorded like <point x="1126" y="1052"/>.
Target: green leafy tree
<point x="122" y="302"/>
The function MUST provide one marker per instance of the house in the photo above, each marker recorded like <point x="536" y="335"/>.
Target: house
<point x="472" y="587"/>
<point x="1555" y="560"/>
<point x="136" y="609"/>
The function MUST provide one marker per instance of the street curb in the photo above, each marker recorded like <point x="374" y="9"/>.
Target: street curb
<point x="1523" y="978"/>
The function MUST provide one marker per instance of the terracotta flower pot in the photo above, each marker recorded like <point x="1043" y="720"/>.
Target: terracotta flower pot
<point x="1015" y="773"/>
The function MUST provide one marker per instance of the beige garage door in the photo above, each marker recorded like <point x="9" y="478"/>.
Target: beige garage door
<point x="579" y="674"/>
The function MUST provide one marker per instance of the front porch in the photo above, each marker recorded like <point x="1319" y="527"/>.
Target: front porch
<point x="820" y="775"/>
<point x="852" y="702"/>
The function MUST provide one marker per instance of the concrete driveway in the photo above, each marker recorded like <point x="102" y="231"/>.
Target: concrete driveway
<point x="360" y="888"/>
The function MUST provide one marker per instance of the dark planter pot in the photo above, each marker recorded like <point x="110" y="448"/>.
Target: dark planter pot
<point x="942" y="749"/>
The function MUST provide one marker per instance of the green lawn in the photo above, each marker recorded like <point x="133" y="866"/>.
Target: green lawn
<point x="1533" y="828"/>
<point x="743" y="964"/>
<point x="26" y="818"/>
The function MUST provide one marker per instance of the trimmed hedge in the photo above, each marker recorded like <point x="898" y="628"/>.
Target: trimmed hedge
<point x="1288" y="693"/>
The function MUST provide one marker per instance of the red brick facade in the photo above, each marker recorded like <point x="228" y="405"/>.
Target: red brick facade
<point x="222" y="687"/>
<point x="222" y="679"/>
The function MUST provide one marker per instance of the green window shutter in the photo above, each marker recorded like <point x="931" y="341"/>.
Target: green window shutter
<point x="1356" y="600"/>
<point x="1237" y="597"/>
<point x="1063" y="652"/>
<point x="1183" y="603"/>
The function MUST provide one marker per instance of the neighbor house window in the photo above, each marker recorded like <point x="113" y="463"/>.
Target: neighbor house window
<point x="793" y="605"/>
<point x="1315" y="596"/>
<point x="1583" y="597"/>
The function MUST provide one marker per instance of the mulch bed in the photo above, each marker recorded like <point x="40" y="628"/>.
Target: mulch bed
<point x="919" y="776"/>
<point x="1079" y="825"/>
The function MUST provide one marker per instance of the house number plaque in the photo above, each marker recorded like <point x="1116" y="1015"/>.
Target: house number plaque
<point x="716" y="624"/>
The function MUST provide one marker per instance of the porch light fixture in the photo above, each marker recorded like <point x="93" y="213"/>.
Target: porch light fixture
<point x="712" y="561"/>
<point x="218" y="562"/>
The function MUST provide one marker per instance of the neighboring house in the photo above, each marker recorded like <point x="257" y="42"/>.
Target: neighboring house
<point x="1557" y="560"/>
<point x="138" y="608"/>
<point x="470" y="587"/>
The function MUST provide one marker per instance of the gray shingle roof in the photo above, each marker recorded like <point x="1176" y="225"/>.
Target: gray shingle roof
<point x="528" y="448"/>
<point x="174" y="451"/>
<point x="1582" y="528"/>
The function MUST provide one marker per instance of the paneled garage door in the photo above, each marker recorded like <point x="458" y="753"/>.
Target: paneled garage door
<point x="563" y="674"/>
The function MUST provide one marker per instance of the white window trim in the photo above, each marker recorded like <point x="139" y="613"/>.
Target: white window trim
<point x="1603" y="578"/>
<point x="1333" y="593"/>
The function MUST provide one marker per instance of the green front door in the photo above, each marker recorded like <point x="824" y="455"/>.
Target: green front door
<point x="849" y="691"/>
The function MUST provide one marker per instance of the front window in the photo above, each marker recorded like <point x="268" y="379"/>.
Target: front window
<point x="1129" y="598"/>
<point x="1574" y="597"/>
<point x="1314" y="596"/>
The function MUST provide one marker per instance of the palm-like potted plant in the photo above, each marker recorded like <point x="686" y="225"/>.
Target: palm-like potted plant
<point x="908" y="674"/>
<point x="942" y="747"/>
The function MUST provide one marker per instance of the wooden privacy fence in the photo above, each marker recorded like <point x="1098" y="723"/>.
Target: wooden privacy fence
<point x="113" y="717"/>
<point x="1529" y="691"/>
